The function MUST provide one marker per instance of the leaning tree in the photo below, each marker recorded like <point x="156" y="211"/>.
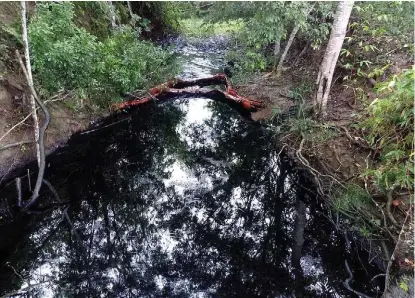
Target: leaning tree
<point x="325" y="74"/>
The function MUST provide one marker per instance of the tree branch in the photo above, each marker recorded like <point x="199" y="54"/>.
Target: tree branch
<point x="30" y="78"/>
<point x="41" y="141"/>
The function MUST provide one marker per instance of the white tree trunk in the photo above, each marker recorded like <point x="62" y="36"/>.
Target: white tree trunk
<point x="325" y="74"/>
<point x="29" y="71"/>
<point x="277" y="51"/>
<point x="130" y="9"/>
<point x="287" y="47"/>
<point x="112" y="14"/>
<point x="289" y="43"/>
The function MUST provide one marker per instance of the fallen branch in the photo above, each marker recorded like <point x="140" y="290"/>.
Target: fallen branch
<point x="14" y="126"/>
<point x="8" y="146"/>
<point x="41" y="140"/>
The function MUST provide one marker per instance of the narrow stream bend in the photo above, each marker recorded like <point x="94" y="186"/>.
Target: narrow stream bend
<point x="176" y="199"/>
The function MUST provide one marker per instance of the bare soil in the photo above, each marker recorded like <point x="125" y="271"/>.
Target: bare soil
<point x="14" y="108"/>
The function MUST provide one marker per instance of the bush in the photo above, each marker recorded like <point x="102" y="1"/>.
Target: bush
<point x="66" y="56"/>
<point x="389" y="126"/>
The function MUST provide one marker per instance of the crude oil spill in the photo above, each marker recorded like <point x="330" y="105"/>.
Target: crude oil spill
<point x="180" y="199"/>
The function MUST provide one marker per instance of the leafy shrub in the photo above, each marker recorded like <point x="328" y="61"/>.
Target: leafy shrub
<point x="67" y="56"/>
<point x="376" y="30"/>
<point x="94" y="17"/>
<point x="389" y="128"/>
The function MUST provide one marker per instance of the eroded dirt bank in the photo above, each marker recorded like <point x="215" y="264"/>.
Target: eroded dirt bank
<point x="15" y="130"/>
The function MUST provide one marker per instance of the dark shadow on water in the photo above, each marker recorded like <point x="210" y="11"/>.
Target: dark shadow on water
<point x="180" y="199"/>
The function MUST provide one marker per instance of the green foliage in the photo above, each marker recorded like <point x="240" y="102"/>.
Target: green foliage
<point x="163" y="15"/>
<point x="94" y="17"/>
<point x="265" y="23"/>
<point x="246" y="62"/>
<point x="67" y="56"/>
<point x="376" y="30"/>
<point x="388" y="126"/>
<point x="403" y="283"/>
<point x="356" y="203"/>
<point x="310" y="129"/>
<point x="301" y="92"/>
<point x="196" y="27"/>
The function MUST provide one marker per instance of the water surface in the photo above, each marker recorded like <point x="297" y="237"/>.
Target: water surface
<point x="175" y="199"/>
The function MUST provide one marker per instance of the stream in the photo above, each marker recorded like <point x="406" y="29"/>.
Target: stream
<point x="176" y="199"/>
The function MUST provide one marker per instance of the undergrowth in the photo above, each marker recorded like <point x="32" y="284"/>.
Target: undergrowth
<point x="355" y="203"/>
<point x="298" y="121"/>
<point x="388" y="124"/>
<point x="66" y="56"/>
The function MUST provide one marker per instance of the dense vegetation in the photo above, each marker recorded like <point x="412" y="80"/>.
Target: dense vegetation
<point x="100" y="68"/>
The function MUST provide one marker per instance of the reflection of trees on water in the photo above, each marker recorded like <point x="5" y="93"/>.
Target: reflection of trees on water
<point x="229" y="234"/>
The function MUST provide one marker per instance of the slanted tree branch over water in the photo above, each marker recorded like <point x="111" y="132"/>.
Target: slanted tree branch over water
<point x="34" y="99"/>
<point x="41" y="140"/>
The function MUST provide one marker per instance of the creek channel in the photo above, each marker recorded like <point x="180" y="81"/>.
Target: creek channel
<point x="176" y="199"/>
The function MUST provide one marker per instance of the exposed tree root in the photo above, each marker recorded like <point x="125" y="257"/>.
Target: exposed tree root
<point x="180" y="88"/>
<point x="354" y="140"/>
<point x="349" y="279"/>
<point x="317" y="175"/>
<point x="392" y="258"/>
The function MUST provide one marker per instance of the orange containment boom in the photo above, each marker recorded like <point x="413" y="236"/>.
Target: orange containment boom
<point x="177" y="87"/>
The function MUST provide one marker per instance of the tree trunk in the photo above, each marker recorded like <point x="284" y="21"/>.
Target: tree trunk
<point x="287" y="47"/>
<point x="112" y="14"/>
<point x="289" y="43"/>
<point x="130" y="9"/>
<point x="29" y="71"/>
<point x="325" y="74"/>
<point x="277" y="50"/>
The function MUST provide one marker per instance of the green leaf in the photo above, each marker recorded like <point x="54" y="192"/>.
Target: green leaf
<point x="404" y="286"/>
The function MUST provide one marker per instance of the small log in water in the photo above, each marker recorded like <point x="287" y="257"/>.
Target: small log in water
<point x="182" y="88"/>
